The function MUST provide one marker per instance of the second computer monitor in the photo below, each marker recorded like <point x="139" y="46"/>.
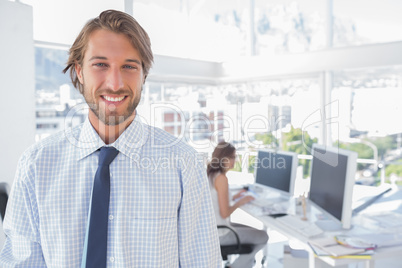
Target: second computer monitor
<point x="332" y="179"/>
<point x="276" y="169"/>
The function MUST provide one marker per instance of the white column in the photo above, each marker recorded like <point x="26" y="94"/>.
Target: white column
<point x="327" y="82"/>
<point x="17" y="111"/>
<point x="128" y="6"/>
<point x="328" y="106"/>
<point x="323" y="124"/>
<point x="251" y="30"/>
<point x="329" y="21"/>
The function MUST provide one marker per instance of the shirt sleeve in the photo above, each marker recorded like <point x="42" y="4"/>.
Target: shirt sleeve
<point x="22" y="245"/>
<point x="198" y="236"/>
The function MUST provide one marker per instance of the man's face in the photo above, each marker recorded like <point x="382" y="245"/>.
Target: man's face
<point x="112" y="77"/>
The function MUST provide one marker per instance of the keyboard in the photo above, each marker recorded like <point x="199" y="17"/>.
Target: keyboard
<point x="254" y="210"/>
<point x="264" y="202"/>
<point x="304" y="228"/>
<point x="263" y="209"/>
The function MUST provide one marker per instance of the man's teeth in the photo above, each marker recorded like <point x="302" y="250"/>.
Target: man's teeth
<point x="113" y="99"/>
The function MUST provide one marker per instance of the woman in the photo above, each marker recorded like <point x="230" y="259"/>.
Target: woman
<point x="223" y="159"/>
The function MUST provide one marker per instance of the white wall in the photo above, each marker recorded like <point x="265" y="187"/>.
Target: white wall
<point x="17" y="85"/>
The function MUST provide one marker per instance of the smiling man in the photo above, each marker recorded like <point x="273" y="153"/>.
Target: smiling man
<point x="112" y="76"/>
<point x="96" y="195"/>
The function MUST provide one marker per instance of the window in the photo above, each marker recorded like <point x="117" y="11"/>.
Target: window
<point x="61" y="21"/>
<point x="366" y="22"/>
<point x="208" y="30"/>
<point x="369" y="100"/>
<point x="283" y="26"/>
<point x="58" y="103"/>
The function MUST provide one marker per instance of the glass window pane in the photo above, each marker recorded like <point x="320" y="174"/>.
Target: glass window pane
<point x="288" y="26"/>
<point x="369" y="100"/>
<point x="207" y="30"/>
<point x="58" y="103"/>
<point x="364" y="22"/>
<point x="61" y="21"/>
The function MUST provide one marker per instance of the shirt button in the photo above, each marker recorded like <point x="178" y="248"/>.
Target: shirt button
<point x="111" y="217"/>
<point x="111" y="259"/>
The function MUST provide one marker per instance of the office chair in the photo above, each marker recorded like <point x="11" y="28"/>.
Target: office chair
<point x="237" y="248"/>
<point x="3" y="199"/>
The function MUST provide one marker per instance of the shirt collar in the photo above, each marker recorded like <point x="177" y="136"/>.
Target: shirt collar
<point x="131" y="140"/>
<point x="88" y="140"/>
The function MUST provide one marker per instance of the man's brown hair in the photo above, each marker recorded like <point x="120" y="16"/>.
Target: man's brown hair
<point x="115" y="21"/>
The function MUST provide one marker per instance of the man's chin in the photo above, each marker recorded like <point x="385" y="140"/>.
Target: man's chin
<point x="114" y="120"/>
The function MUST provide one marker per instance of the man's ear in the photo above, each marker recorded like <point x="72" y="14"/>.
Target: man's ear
<point x="78" y="71"/>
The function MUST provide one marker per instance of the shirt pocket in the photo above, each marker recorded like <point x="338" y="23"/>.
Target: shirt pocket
<point x="150" y="243"/>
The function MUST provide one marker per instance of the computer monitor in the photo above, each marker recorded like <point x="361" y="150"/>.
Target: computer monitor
<point x="276" y="169"/>
<point x="332" y="179"/>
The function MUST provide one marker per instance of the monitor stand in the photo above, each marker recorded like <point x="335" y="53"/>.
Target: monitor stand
<point x="329" y="225"/>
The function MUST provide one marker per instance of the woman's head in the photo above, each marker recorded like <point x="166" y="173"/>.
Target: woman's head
<point x="223" y="158"/>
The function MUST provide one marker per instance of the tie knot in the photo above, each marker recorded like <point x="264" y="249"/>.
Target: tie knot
<point x="107" y="155"/>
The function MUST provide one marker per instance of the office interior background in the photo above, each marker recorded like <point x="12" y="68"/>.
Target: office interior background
<point x="278" y="74"/>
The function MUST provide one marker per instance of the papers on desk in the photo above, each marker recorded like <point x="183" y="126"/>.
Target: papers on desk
<point x="381" y="222"/>
<point x="354" y="242"/>
<point x="382" y="240"/>
<point x="328" y="246"/>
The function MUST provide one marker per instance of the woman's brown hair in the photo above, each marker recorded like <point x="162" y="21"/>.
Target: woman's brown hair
<point x="221" y="154"/>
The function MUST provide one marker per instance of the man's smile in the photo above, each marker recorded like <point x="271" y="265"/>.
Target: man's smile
<point x="112" y="99"/>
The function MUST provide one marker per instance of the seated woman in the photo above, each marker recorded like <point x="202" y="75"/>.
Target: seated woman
<point x="223" y="159"/>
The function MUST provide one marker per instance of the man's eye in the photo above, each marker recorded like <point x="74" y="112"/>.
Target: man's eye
<point x="130" y="67"/>
<point x="100" y="64"/>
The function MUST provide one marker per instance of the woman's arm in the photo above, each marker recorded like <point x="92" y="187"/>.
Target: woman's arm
<point x="222" y="187"/>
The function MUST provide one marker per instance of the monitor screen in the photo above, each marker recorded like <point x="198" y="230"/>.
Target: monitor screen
<point x="276" y="169"/>
<point x="332" y="179"/>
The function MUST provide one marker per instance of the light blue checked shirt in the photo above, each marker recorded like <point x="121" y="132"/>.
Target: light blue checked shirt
<point x="161" y="213"/>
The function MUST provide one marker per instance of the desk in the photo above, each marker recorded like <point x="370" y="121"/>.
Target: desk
<point x="392" y="200"/>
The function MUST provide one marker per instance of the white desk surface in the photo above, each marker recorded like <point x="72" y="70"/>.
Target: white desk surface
<point x="390" y="201"/>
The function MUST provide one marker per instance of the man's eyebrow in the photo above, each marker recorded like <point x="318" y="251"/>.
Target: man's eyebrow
<point x="133" y="60"/>
<point x="104" y="58"/>
<point x="97" y="58"/>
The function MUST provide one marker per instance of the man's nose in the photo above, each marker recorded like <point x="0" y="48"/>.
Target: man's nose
<point x="115" y="79"/>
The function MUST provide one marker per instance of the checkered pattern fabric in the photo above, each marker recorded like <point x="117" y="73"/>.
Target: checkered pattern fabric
<point x="160" y="212"/>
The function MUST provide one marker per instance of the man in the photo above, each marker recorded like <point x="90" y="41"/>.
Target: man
<point x="159" y="213"/>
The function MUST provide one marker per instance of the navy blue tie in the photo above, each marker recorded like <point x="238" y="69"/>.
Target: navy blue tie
<point x="97" y="232"/>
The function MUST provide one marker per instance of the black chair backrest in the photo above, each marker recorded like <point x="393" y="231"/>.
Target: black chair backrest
<point x="236" y="248"/>
<point x="3" y="199"/>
